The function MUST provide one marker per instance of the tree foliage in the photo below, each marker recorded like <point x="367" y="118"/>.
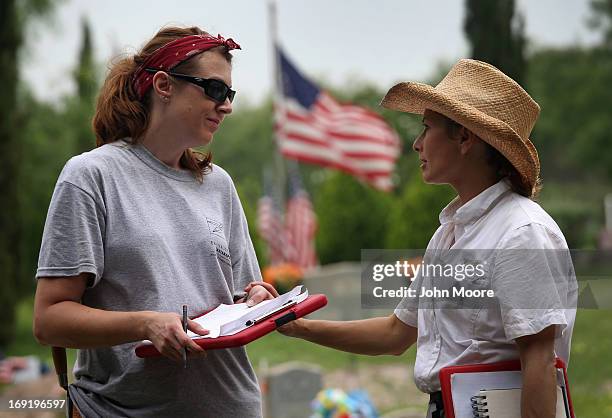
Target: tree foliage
<point x="496" y="35"/>
<point x="352" y="216"/>
<point x="601" y="19"/>
<point x="574" y="126"/>
<point x="10" y="155"/>
<point x="14" y="17"/>
<point x="413" y="218"/>
<point x="81" y="106"/>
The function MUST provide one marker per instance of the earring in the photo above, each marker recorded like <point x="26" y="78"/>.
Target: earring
<point x="165" y="98"/>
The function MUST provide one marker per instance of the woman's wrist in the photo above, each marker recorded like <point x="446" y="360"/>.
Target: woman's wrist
<point x="297" y="328"/>
<point x="143" y="320"/>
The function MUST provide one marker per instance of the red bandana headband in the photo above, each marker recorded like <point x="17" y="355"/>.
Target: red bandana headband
<point x="173" y="53"/>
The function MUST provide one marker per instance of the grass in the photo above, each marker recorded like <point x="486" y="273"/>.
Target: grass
<point x="590" y="367"/>
<point x="590" y="370"/>
<point x="276" y="348"/>
<point x="24" y="343"/>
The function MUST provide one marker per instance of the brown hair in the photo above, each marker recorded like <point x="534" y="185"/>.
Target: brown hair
<point x="501" y="165"/>
<point x="121" y="115"/>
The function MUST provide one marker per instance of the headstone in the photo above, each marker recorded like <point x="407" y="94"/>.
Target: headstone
<point x="290" y="387"/>
<point x="608" y="211"/>
<point x="341" y="283"/>
<point x="605" y="235"/>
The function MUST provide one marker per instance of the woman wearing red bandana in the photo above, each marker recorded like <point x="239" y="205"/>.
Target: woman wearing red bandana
<point x="142" y="225"/>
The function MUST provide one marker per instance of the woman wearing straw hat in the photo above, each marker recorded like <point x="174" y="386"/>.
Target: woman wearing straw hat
<point x="477" y="123"/>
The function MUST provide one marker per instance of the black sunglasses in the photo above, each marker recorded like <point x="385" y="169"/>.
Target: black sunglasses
<point x="217" y="90"/>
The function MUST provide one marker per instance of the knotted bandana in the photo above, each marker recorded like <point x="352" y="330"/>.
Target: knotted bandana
<point x="173" y="53"/>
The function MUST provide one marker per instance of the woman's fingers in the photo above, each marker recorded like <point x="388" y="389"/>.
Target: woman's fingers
<point x="191" y="345"/>
<point x="183" y="342"/>
<point x="258" y="294"/>
<point x="265" y="285"/>
<point x="293" y="328"/>
<point x="169" y="338"/>
<point x="188" y="342"/>
<point x="171" y="347"/>
<point x="197" y="328"/>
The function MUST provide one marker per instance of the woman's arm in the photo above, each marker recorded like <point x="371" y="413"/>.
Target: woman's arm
<point x="61" y="320"/>
<point x="539" y="393"/>
<point x="374" y="336"/>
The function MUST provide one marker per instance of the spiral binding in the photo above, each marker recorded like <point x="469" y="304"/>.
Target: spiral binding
<point x="479" y="406"/>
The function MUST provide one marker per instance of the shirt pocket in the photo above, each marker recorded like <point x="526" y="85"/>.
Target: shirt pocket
<point x="474" y="290"/>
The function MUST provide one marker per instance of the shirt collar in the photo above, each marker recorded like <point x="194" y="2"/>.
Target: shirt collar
<point x="474" y="208"/>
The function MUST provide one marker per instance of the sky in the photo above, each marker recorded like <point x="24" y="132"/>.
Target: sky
<point x="339" y="41"/>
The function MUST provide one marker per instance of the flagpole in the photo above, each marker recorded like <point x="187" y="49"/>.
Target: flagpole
<point x="280" y="179"/>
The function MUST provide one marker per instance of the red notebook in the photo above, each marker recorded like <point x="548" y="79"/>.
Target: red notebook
<point x="447" y="373"/>
<point x="258" y="330"/>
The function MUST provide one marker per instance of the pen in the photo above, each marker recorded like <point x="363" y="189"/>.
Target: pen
<point x="185" y="329"/>
<point x="239" y="296"/>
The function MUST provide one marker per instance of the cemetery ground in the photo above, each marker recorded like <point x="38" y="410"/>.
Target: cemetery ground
<point x="388" y="379"/>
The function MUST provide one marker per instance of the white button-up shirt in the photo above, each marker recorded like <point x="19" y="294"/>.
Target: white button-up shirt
<point x="503" y="221"/>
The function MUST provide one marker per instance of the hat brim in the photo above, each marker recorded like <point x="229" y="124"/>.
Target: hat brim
<point x="415" y="98"/>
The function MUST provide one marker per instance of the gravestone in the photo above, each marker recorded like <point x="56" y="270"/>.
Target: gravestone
<point x="608" y="211"/>
<point x="605" y="235"/>
<point x="341" y="283"/>
<point x="290" y="387"/>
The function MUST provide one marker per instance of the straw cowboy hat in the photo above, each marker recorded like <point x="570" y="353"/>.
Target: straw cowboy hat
<point x="484" y="100"/>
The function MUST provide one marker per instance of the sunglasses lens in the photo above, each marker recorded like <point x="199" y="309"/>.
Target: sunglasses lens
<point x="217" y="90"/>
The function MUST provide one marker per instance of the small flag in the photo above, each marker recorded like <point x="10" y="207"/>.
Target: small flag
<point x="300" y="225"/>
<point x="271" y="229"/>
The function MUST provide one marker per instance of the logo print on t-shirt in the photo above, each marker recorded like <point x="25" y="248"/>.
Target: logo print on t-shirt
<point x="215" y="227"/>
<point x="218" y="241"/>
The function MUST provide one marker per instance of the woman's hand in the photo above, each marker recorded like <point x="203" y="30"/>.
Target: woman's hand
<point x="165" y="330"/>
<point x="258" y="292"/>
<point x="291" y="329"/>
<point x="294" y="328"/>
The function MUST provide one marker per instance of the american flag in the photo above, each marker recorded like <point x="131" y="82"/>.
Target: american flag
<point x="271" y="229"/>
<point x="314" y="128"/>
<point x="300" y="226"/>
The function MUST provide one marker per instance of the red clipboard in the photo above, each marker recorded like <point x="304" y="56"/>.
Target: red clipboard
<point x="265" y="326"/>
<point x="504" y="366"/>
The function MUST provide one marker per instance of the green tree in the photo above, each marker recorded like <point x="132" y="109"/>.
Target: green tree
<point x="85" y="73"/>
<point x="14" y="16"/>
<point x="572" y="136"/>
<point x="10" y="34"/>
<point x="351" y="217"/>
<point x="81" y="108"/>
<point x="496" y="35"/>
<point x="414" y="217"/>
<point x="601" y="18"/>
<point x="574" y="127"/>
<point x="47" y="142"/>
<point x="243" y="146"/>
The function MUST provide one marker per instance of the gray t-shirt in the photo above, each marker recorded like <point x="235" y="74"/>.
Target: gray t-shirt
<point x="154" y="239"/>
